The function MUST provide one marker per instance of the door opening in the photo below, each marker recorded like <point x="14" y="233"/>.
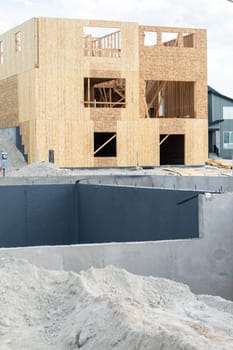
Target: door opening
<point x="171" y="149"/>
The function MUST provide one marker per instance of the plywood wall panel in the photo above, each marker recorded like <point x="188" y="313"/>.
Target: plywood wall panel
<point x="72" y="142"/>
<point x="48" y="104"/>
<point x="196" y="142"/>
<point x="9" y="109"/>
<point x="172" y="126"/>
<point x="18" y="62"/>
<point x="26" y="96"/>
<point x="140" y="138"/>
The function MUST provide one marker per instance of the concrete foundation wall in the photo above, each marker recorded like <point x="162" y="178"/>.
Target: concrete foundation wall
<point x="193" y="183"/>
<point x="33" y="215"/>
<point x="205" y="264"/>
<point x="37" y="215"/>
<point x="189" y="183"/>
<point x="127" y="214"/>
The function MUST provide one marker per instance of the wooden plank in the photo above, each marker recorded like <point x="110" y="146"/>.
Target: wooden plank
<point x="104" y="144"/>
<point x="164" y="139"/>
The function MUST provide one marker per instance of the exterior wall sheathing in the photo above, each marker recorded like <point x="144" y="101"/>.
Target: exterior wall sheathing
<point x="42" y="92"/>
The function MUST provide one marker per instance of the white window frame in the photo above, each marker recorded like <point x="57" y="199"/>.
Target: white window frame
<point x="227" y="112"/>
<point x="229" y="143"/>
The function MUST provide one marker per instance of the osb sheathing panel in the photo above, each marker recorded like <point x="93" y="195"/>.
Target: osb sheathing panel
<point x="18" y="62"/>
<point x="137" y="141"/>
<point x="51" y="92"/>
<point x="26" y="96"/>
<point x="176" y="64"/>
<point x="104" y="120"/>
<point x="72" y="141"/>
<point x="172" y="126"/>
<point x="196" y="137"/>
<point x="105" y="161"/>
<point x="59" y="94"/>
<point x="104" y="64"/>
<point x="9" y="102"/>
<point x="60" y="42"/>
<point x="196" y="142"/>
<point x="130" y="69"/>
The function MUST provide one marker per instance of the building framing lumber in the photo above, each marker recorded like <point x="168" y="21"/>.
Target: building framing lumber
<point x="105" y="144"/>
<point x="60" y="97"/>
<point x="164" y="139"/>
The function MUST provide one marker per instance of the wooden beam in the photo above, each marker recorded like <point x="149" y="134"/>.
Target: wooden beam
<point x="88" y="89"/>
<point x="110" y="95"/>
<point x="163" y="84"/>
<point x="101" y="93"/>
<point x="146" y="107"/>
<point x="105" y="95"/>
<point x="104" y="144"/>
<point x="121" y="94"/>
<point x="119" y="101"/>
<point x="164" y="139"/>
<point x="104" y="103"/>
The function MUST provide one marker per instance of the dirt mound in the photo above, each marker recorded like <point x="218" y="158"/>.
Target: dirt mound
<point x="40" y="169"/>
<point x="106" y="309"/>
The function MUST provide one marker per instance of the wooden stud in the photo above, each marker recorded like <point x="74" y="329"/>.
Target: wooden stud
<point x="164" y="139"/>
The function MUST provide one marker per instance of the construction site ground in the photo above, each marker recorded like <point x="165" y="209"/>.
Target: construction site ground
<point x="219" y="167"/>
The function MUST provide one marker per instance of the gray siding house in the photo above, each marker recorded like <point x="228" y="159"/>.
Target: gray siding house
<point x="220" y="115"/>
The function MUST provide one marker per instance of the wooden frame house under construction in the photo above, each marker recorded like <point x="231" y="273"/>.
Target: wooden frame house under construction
<point x="104" y="93"/>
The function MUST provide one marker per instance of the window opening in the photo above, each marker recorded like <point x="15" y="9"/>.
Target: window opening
<point x="172" y="99"/>
<point x="102" y="42"/>
<point x="104" y="92"/>
<point x="171" y="149"/>
<point x="228" y="139"/>
<point x="169" y="39"/>
<point x="18" y="42"/>
<point x="104" y="144"/>
<point x="150" y="38"/>
<point x="227" y="112"/>
<point x="1" y="52"/>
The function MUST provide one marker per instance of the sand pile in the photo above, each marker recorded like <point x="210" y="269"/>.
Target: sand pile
<point x="103" y="309"/>
<point x="40" y="169"/>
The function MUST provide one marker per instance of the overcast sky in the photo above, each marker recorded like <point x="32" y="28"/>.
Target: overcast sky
<point x="214" y="15"/>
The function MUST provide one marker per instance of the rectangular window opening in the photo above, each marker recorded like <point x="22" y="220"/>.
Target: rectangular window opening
<point x="171" y="99"/>
<point x="169" y="39"/>
<point x="104" y="93"/>
<point x="102" y="41"/>
<point x="228" y="139"/>
<point x="18" y="42"/>
<point x="105" y="144"/>
<point x="1" y="52"/>
<point x="227" y="112"/>
<point x="150" y="38"/>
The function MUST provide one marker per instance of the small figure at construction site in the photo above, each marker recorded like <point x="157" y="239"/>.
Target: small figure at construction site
<point x="4" y="162"/>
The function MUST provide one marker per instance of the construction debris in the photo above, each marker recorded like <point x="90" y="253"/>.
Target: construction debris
<point x="40" y="169"/>
<point x="219" y="164"/>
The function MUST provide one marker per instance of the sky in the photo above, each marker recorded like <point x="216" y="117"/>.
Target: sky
<point x="214" y="15"/>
